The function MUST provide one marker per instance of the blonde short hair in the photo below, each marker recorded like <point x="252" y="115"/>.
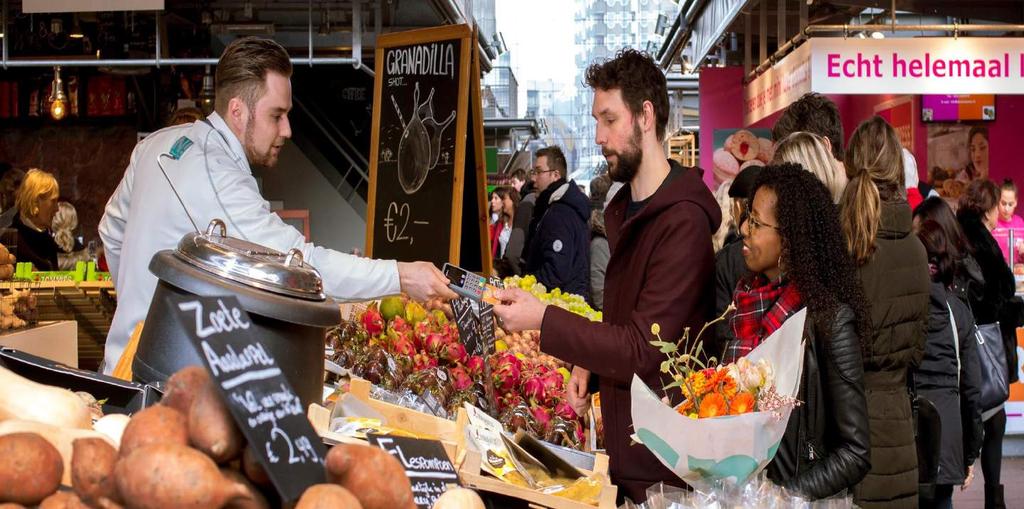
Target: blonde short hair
<point x="37" y="185"/>
<point x="811" y="151"/>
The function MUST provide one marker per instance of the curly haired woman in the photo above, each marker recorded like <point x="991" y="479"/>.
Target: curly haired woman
<point x="794" y="248"/>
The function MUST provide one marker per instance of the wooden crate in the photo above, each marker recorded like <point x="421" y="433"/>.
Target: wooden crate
<point x="450" y="433"/>
<point x="421" y="423"/>
<point x="472" y="476"/>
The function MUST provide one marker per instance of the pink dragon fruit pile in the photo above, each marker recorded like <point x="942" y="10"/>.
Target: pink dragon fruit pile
<point x="399" y="345"/>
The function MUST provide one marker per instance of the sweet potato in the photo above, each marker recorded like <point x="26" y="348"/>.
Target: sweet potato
<point x="254" y="499"/>
<point x="11" y="505"/>
<point x="30" y="468"/>
<point x="60" y="438"/>
<point x="328" y="496"/>
<point x="165" y="475"/>
<point x="375" y="477"/>
<point x="63" y="500"/>
<point x="183" y="386"/>
<point x="154" y="425"/>
<point x="211" y="428"/>
<point x="253" y="469"/>
<point x="92" y="470"/>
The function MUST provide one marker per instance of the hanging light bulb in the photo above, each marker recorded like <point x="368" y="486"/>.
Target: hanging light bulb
<point x="207" y="93"/>
<point x="58" y="101"/>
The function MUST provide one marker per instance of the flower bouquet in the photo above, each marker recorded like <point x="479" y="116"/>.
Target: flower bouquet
<point x="734" y="415"/>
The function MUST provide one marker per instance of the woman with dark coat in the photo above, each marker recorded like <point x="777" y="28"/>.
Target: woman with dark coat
<point x="949" y="376"/>
<point x="37" y="203"/>
<point x="978" y="212"/>
<point x="793" y="247"/>
<point x="893" y="270"/>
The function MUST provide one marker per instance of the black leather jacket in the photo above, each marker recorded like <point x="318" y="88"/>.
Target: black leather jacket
<point x="826" y="445"/>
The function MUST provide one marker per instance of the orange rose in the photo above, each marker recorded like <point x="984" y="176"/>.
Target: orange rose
<point x="743" y="403"/>
<point x="713" y="405"/>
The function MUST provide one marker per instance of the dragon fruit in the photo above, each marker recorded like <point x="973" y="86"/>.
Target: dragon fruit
<point x="564" y="410"/>
<point x="422" y="361"/>
<point x="505" y="372"/>
<point x="475" y="366"/>
<point x="553" y="384"/>
<point x="541" y="419"/>
<point x="403" y="346"/>
<point x="420" y="332"/>
<point x="372" y="320"/>
<point x="454" y="353"/>
<point x="399" y="325"/>
<point x="434" y="343"/>
<point x="533" y="389"/>
<point x="460" y="379"/>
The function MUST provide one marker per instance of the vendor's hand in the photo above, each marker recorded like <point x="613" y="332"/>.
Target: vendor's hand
<point x="968" y="479"/>
<point x="423" y="281"/>
<point x="576" y="393"/>
<point x="519" y="310"/>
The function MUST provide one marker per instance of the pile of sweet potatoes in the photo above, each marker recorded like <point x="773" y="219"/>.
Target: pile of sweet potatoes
<point x="187" y="453"/>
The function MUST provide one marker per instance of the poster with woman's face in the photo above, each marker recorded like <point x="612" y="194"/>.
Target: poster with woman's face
<point x="957" y="154"/>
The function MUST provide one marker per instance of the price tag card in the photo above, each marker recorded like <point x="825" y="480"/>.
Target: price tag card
<point x="425" y="462"/>
<point x="266" y="409"/>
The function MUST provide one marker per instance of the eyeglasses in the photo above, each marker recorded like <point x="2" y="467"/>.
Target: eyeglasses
<point x="756" y="224"/>
<point x="535" y="172"/>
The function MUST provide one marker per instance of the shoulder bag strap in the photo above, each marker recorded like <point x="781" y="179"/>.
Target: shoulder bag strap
<point x="956" y="341"/>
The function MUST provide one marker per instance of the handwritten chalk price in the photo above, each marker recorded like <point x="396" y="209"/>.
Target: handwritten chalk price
<point x="397" y="214"/>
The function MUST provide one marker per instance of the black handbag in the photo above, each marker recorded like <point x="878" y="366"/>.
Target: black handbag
<point x="995" y="386"/>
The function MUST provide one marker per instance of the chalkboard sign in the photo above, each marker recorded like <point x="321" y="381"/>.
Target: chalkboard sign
<point x="422" y="161"/>
<point x="266" y="409"/>
<point x="425" y="462"/>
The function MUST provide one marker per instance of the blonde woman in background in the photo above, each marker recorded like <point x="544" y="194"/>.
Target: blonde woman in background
<point x="811" y="151"/>
<point x="70" y="249"/>
<point x="36" y="201"/>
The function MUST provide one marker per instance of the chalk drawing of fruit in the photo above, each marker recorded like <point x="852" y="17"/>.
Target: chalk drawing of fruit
<point x="419" y="147"/>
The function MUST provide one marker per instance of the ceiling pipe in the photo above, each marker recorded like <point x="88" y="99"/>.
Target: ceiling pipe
<point x="356" y="60"/>
<point x="806" y="33"/>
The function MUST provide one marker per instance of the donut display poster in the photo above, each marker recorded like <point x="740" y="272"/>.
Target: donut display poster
<point x="957" y="154"/>
<point x="736" y="149"/>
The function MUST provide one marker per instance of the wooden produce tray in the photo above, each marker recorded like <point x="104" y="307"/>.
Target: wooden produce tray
<point x="472" y="476"/>
<point x="451" y="433"/>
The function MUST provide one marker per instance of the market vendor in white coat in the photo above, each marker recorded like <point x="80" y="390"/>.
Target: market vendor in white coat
<point x="206" y="164"/>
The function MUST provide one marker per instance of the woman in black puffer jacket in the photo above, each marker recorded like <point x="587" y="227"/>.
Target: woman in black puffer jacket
<point x="978" y="213"/>
<point x="949" y="375"/>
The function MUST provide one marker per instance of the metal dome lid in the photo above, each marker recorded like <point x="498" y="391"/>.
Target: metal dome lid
<point x="251" y="264"/>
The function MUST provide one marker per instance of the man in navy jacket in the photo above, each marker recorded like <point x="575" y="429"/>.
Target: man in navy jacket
<point x="559" y="244"/>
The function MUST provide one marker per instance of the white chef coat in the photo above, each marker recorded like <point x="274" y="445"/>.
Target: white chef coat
<point x="213" y="178"/>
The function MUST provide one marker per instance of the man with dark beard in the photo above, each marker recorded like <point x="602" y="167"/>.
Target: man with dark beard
<point x="558" y="243"/>
<point x="661" y="269"/>
<point x="180" y="178"/>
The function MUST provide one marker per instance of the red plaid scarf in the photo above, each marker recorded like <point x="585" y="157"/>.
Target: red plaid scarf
<point x="761" y="308"/>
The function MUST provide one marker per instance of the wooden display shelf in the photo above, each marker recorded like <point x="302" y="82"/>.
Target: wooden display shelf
<point x="473" y="477"/>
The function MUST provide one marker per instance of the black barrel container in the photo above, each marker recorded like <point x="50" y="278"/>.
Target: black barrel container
<point x="283" y="296"/>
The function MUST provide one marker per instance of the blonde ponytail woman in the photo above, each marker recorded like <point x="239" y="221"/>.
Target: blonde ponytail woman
<point x="811" y="151"/>
<point x="893" y="269"/>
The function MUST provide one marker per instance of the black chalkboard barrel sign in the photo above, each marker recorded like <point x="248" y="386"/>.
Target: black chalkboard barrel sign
<point x="262" y="402"/>
<point x="422" y="155"/>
